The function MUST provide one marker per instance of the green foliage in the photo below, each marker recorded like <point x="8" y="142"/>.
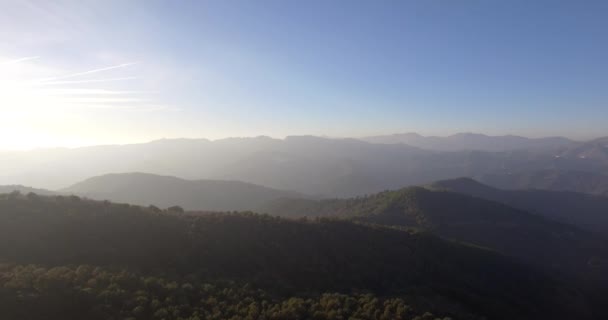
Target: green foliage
<point x="528" y="237"/>
<point x="88" y="292"/>
<point x="585" y="211"/>
<point x="144" y="252"/>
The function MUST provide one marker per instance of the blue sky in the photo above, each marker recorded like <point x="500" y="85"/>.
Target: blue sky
<point x="86" y="72"/>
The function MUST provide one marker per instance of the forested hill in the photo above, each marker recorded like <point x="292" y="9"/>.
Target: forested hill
<point x="528" y="237"/>
<point x="164" y="191"/>
<point x="143" y="263"/>
<point x="589" y="212"/>
<point x="24" y="190"/>
<point x="551" y="179"/>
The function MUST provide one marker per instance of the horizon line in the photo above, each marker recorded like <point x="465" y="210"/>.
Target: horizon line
<point x="283" y="138"/>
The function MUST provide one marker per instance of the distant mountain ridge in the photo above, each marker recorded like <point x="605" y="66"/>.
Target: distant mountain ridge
<point x="25" y="190"/>
<point x="306" y="164"/>
<point x="594" y="149"/>
<point x="472" y="141"/>
<point x="165" y="191"/>
<point x="582" y="167"/>
<point x="589" y="182"/>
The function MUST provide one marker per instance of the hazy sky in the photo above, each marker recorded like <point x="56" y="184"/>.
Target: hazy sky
<point x="87" y="72"/>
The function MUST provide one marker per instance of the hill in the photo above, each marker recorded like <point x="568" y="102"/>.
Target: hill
<point x="596" y="149"/>
<point x="472" y="141"/>
<point x="586" y="211"/>
<point x="551" y="179"/>
<point x="25" y="190"/>
<point x="525" y="236"/>
<point x="99" y="260"/>
<point x="165" y="191"/>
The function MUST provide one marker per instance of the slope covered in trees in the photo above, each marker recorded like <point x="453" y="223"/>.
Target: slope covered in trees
<point x="163" y="191"/>
<point x="24" y="190"/>
<point x="115" y="258"/>
<point x="37" y="292"/>
<point x="555" y="180"/>
<point x="528" y="237"/>
<point x="586" y="211"/>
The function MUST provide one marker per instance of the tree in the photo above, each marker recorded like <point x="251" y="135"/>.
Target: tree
<point x="176" y="209"/>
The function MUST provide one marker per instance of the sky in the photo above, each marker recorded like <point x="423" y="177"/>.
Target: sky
<point x="75" y="73"/>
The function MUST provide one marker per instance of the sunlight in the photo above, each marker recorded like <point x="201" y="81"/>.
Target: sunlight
<point x="35" y="97"/>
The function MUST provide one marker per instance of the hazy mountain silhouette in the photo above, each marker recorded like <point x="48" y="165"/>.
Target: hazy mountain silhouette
<point x="26" y="190"/>
<point x="582" y="167"/>
<point x="594" y="150"/>
<point x="305" y="164"/>
<point x="472" y="141"/>
<point x="165" y="191"/>
<point x="557" y="180"/>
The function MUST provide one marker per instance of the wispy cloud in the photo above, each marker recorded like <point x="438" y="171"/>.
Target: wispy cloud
<point x="17" y="60"/>
<point x="125" y="107"/>
<point x="31" y="89"/>
<point x="79" y="92"/>
<point x="101" y="100"/>
<point x="79" y="74"/>
<point x="51" y="83"/>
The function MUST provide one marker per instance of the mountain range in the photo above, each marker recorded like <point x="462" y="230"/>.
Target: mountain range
<point x="312" y="165"/>
<point x="557" y="180"/>
<point x="585" y="211"/>
<point x="472" y="141"/>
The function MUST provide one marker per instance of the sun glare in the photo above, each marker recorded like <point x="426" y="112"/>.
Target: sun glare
<point x="35" y="98"/>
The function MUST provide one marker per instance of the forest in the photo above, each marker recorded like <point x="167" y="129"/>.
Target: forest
<point x="120" y="261"/>
<point x="89" y="292"/>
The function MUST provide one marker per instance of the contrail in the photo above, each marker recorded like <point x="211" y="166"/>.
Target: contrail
<point x="18" y="60"/>
<point x="51" y="83"/>
<point x="102" y="100"/>
<point x="89" y="72"/>
<point x="80" y="92"/>
<point x="125" y="107"/>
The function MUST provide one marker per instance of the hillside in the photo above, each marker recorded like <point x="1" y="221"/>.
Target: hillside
<point x="555" y="180"/>
<point x="25" y="190"/>
<point x="163" y="191"/>
<point x="114" y="259"/>
<point x="586" y="211"/>
<point x="528" y="237"/>
<point x="596" y="149"/>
